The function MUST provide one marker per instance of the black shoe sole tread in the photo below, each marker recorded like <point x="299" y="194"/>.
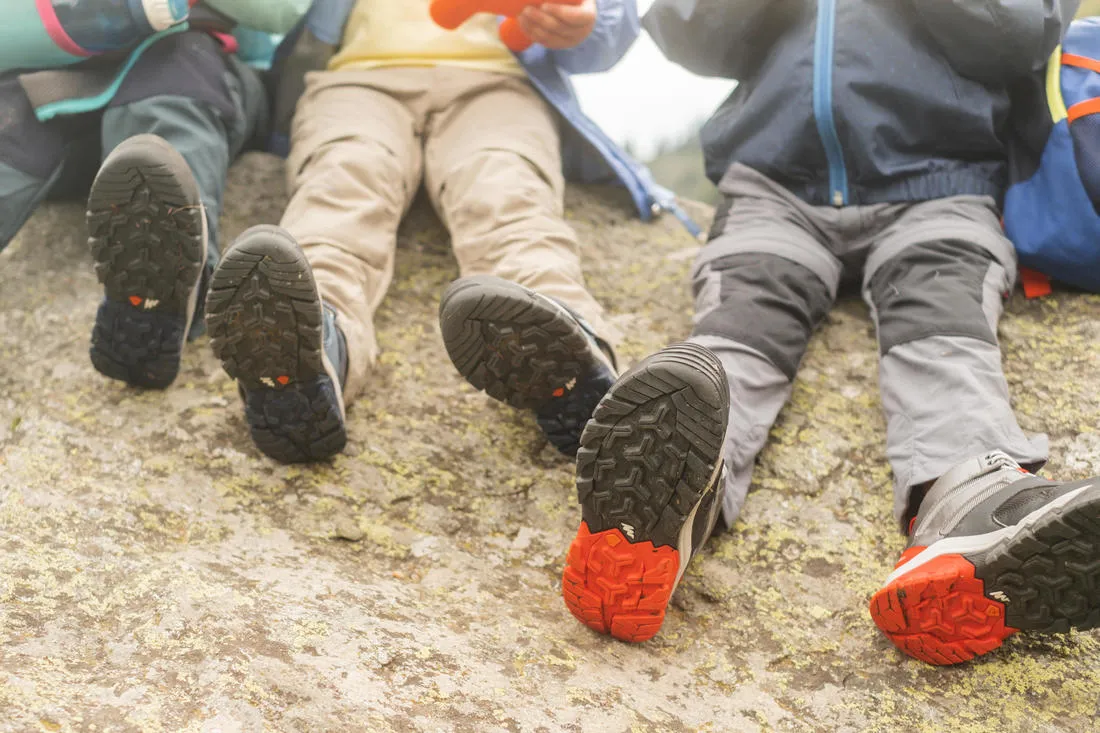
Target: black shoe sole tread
<point x="653" y="445"/>
<point x="145" y="226"/>
<point x="511" y="343"/>
<point x="1050" y="572"/>
<point x="264" y="316"/>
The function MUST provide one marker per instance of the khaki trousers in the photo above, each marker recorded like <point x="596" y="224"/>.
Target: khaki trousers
<point x="487" y="148"/>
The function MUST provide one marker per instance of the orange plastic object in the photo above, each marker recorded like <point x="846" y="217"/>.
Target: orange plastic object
<point x="1036" y="284"/>
<point x="939" y="613"/>
<point x="450" y="14"/>
<point x="617" y="587"/>
<point x="511" y="32"/>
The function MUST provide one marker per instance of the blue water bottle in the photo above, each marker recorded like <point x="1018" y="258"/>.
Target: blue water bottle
<point x="38" y="34"/>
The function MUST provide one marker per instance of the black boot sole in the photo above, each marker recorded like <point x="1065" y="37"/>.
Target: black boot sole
<point x="1048" y="576"/>
<point x="148" y="239"/>
<point x="511" y="343"/>
<point x="648" y="458"/>
<point x="264" y="316"/>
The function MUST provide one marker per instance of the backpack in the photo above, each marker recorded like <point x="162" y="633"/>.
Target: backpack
<point x="1052" y="208"/>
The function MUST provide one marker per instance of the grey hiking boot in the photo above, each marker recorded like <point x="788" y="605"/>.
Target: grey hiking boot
<point x="273" y="335"/>
<point x="650" y="481"/>
<point x="528" y="351"/>
<point x="147" y="233"/>
<point x="993" y="550"/>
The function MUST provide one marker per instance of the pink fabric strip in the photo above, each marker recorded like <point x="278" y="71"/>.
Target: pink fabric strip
<point x="228" y="42"/>
<point x="55" y="31"/>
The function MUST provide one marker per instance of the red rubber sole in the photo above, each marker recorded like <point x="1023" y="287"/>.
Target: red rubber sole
<point x="617" y="587"/>
<point x="939" y="613"/>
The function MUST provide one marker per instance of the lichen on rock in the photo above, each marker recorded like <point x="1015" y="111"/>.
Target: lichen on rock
<point x="157" y="573"/>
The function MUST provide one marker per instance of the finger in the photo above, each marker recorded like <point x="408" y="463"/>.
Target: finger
<point x="538" y="19"/>
<point x="541" y="37"/>
<point x="575" y="16"/>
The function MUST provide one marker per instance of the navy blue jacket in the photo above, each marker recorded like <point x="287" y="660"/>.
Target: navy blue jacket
<point x="863" y="101"/>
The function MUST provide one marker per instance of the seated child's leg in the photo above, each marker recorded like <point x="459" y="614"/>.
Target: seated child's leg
<point x="291" y="308"/>
<point x="756" y="312"/>
<point x="354" y="168"/>
<point x="205" y="104"/>
<point x="993" y="549"/>
<point x="763" y="284"/>
<point x="169" y="135"/>
<point x="936" y="281"/>
<point x="494" y="173"/>
<point x="32" y="154"/>
<point x="493" y="169"/>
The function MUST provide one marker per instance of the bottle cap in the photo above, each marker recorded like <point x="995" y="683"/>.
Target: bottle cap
<point x="163" y="14"/>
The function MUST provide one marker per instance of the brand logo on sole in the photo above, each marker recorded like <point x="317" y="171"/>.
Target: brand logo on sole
<point x="999" y="595"/>
<point x="628" y="530"/>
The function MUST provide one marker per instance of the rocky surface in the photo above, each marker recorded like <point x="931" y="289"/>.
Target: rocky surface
<point x="158" y="574"/>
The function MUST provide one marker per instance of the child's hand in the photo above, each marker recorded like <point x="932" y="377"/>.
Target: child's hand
<point x="559" y="26"/>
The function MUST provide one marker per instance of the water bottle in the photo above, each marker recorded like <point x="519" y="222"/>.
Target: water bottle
<point x="38" y="34"/>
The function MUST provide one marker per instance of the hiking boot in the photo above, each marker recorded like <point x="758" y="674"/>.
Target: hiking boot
<point x="650" y="481"/>
<point x="147" y="233"/>
<point x="529" y="351"/>
<point x="272" y="334"/>
<point x="994" y="550"/>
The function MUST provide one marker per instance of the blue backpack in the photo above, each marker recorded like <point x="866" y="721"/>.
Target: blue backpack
<point x="1052" y="209"/>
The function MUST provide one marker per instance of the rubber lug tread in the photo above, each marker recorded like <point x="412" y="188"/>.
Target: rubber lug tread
<point x="1051" y="572"/>
<point x="147" y="239"/>
<point x="512" y="344"/>
<point x="264" y="316"/>
<point x="646" y="460"/>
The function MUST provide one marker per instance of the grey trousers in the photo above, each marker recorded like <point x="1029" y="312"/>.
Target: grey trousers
<point x="935" y="275"/>
<point x="184" y="89"/>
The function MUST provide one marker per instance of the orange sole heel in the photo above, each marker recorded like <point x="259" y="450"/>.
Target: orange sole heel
<point x="938" y="613"/>
<point x="616" y="587"/>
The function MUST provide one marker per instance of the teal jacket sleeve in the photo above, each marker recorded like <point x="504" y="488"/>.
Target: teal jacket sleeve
<point x="722" y="38"/>
<point x="269" y="16"/>
<point x="616" y="29"/>
<point x="995" y="40"/>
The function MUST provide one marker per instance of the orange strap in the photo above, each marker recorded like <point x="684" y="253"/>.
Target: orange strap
<point x="1088" y="107"/>
<point x="1036" y="284"/>
<point x="1081" y="62"/>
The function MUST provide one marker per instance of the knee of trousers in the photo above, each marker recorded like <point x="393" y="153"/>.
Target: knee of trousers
<point x="190" y="65"/>
<point x="487" y="189"/>
<point x="946" y="288"/>
<point x="339" y="183"/>
<point x="767" y="302"/>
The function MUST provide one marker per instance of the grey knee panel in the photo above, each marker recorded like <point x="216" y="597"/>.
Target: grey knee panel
<point x="933" y="289"/>
<point x="721" y="218"/>
<point x="766" y="302"/>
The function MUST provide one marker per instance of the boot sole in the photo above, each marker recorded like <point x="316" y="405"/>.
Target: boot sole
<point x="648" y="457"/>
<point x="511" y="343"/>
<point x="147" y="235"/>
<point x="951" y="603"/>
<point x="264" y="316"/>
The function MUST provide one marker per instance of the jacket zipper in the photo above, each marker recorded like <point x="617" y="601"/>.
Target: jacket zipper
<point x="823" y="101"/>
